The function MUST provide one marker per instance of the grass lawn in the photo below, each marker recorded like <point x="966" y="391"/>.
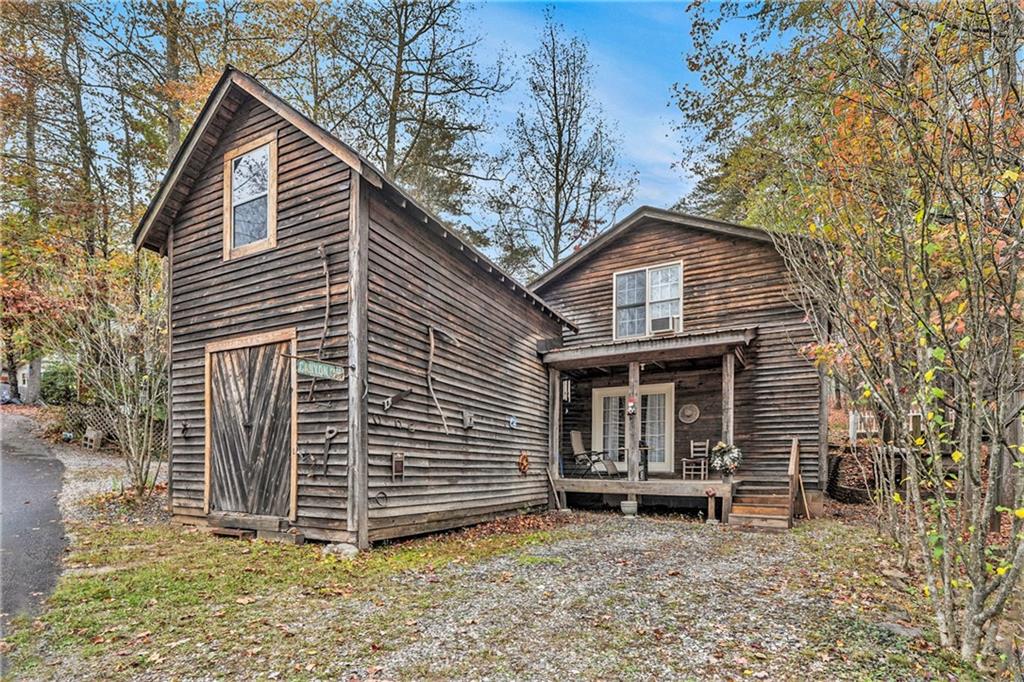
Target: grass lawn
<point x="587" y="595"/>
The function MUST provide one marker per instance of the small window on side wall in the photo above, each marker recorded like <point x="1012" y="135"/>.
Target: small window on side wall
<point x="250" y="197"/>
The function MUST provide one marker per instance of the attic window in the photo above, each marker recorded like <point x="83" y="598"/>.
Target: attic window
<point x="648" y="301"/>
<point x="250" y="197"/>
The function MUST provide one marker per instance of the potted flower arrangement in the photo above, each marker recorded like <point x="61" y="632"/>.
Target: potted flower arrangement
<point x="725" y="458"/>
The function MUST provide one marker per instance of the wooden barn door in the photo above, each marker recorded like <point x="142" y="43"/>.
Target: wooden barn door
<point x="250" y="413"/>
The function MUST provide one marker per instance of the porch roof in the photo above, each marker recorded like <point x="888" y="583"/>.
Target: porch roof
<point x="702" y="344"/>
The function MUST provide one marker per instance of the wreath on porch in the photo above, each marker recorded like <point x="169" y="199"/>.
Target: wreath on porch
<point x="725" y="458"/>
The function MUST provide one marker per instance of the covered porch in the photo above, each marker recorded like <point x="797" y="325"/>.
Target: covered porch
<point x="644" y="408"/>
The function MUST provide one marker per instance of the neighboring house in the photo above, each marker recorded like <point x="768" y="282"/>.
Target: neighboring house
<point x="291" y="258"/>
<point x="696" y="317"/>
<point x="27" y="377"/>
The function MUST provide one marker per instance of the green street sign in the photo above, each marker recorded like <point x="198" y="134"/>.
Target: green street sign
<point x="319" y="369"/>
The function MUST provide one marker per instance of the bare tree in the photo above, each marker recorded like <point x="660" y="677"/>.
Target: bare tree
<point x="117" y="332"/>
<point x="562" y="182"/>
<point x="413" y="94"/>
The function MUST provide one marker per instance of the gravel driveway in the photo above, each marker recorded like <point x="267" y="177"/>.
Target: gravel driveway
<point x="593" y="596"/>
<point x="646" y="598"/>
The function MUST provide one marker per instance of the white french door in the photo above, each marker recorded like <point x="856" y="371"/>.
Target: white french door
<point x="656" y="409"/>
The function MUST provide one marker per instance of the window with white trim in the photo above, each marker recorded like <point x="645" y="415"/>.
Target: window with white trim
<point x="648" y="301"/>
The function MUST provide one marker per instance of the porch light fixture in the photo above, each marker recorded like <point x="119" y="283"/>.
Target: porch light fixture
<point x="566" y="390"/>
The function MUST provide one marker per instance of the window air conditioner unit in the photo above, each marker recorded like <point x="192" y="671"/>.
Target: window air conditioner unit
<point x="665" y="325"/>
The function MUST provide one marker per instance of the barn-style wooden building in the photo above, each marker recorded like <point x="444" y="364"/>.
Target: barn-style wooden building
<point x="343" y="366"/>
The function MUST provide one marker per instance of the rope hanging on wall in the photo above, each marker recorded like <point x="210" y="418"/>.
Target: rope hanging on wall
<point x="327" y="313"/>
<point x="430" y="371"/>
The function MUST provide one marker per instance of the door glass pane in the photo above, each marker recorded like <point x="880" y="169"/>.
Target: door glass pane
<point x="613" y="435"/>
<point x="653" y="427"/>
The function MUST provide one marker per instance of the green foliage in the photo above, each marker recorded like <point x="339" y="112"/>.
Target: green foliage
<point x="58" y="385"/>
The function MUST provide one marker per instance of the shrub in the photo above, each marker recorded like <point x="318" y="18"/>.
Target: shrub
<point x="57" y="385"/>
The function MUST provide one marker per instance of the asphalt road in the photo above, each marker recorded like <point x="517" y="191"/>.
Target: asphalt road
<point x="31" y="532"/>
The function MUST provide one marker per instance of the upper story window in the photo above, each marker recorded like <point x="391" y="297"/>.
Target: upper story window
<point x="648" y="301"/>
<point x="250" y="197"/>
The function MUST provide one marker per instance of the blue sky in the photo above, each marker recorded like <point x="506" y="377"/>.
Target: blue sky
<point x="638" y="54"/>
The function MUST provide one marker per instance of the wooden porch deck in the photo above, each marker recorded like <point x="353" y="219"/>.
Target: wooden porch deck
<point x="664" y="486"/>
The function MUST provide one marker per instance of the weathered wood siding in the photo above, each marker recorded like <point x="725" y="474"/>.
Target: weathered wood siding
<point x="416" y="280"/>
<point x="275" y="289"/>
<point x="727" y="282"/>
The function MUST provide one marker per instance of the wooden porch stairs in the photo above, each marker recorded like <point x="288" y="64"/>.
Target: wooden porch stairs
<point x="768" y="503"/>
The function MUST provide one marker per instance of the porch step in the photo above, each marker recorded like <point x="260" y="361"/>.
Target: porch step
<point x="761" y="503"/>
<point x="746" y="489"/>
<point x="743" y="498"/>
<point x="759" y="520"/>
<point x="759" y="509"/>
<point x="240" y="533"/>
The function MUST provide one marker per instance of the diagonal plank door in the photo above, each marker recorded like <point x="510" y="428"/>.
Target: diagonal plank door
<point x="250" y="430"/>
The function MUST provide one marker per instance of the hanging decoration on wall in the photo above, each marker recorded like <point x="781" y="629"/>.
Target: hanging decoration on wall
<point x="322" y="251"/>
<point x="390" y="401"/>
<point x="397" y="466"/>
<point x="318" y="369"/>
<point x="432" y="333"/>
<point x="524" y="462"/>
<point x="689" y="413"/>
<point x="330" y="433"/>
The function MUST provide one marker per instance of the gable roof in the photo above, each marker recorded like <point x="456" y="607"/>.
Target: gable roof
<point x="641" y="216"/>
<point x="232" y="88"/>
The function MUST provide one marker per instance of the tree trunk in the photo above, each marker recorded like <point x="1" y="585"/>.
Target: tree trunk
<point x="82" y="139"/>
<point x="173" y="15"/>
<point x="31" y="158"/>
<point x="12" y="367"/>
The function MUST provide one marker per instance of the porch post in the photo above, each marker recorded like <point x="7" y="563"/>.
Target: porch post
<point x="555" y="434"/>
<point x="728" y="379"/>
<point x="633" y="426"/>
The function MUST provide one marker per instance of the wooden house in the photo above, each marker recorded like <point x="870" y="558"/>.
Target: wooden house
<point x="687" y="334"/>
<point x="343" y="366"/>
